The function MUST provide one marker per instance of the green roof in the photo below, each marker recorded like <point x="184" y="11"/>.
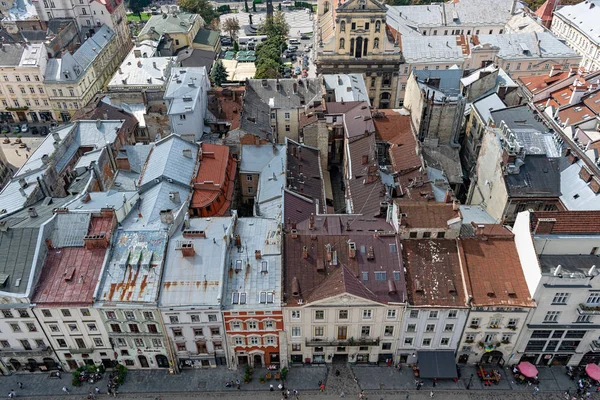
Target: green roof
<point x="207" y="37"/>
<point x="170" y="23"/>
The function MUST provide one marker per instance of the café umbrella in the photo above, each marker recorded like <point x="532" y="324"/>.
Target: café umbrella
<point x="593" y="371"/>
<point x="527" y="369"/>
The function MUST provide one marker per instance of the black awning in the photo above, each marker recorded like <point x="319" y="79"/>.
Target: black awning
<point x="437" y="364"/>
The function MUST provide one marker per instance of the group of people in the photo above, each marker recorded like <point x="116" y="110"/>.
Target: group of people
<point x="12" y="393"/>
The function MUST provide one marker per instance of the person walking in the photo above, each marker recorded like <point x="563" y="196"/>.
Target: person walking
<point x="64" y="389"/>
<point x="535" y="391"/>
<point x="431" y="394"/>
<point x="237" y="382"/>
<point x="97" y="389"/>
<point x="322" y="387"/>
<point x="20" y="385"/>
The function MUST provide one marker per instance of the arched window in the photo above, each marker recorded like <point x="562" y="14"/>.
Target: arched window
<point x="377" y="26"/>
<point x="376" y="43"/>
<point x="342" y="43"/>
<point x="326" y="8"/>
<point x="351" y="46"/>
<point x="343" y="26"/>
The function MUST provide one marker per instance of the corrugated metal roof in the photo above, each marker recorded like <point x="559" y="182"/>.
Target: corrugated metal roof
<point x="69" y="229"/>
<point x="575" y="192"/>
<point x="198" y="279"/>
<point x="17" y="250"/>
<point x="254" y="158"/>
<point x="260" y="278"/>
<point x="167" y="160"/>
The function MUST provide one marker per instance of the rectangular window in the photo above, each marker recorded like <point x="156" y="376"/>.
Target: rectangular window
<point x="15" y="327"/>
<point x="152" y="328"/>
<point x="411" y="328"/>
<point x="552" y="316"/>
<point x="85" y="312"/>
<point x="396" y="275"/>
<point x="134" y="328"/>
<point x="475" y="322"/>
<point x="408" y="341"/>
<point x="433" y="314"/>
<point x="92" y="327"/>
<point x="319" y="314"/>
<point x="66" y="312"/>
<point x="215" y="331"/>
<point x="593" y="298"/>
<point x="198" y="332"/>
<point x="380" y="276"/>
<point x="212" y="317"/>
<point x="129" y="315"/>
<point x="426" y="342"/>
<point x="98" y="342"/>
<point x="296" y="331"/>
<point x="583" y="319"/>
<point x="287" y="115"/>
<point x="177" y="332"/>
<point x="195" y="318"/>
<point x="389" y="331"/>
<point x="174" y="319"/>
<point x="414" y="313"/>
<point x="365" y="331"/>
<point x="319" y="331"/>
<point x="343" y="314"/>
<point x="111" y="315"/>
<point x="148" y="315"/>
<point x="365" y="276"/>
<point x="367" y="314"/>
<point x="452" y="313"/>
<point x="61" y="342"/>
<point x="430" y="328"/>
<point x="31" y="327"/>
<point x="80" y="343"/>
<point x="391" y="314"/>
<point x="252" y="325"/>
<point x="287" y="128"/>
<point x="40" y="344"/>
<point x="295" y="314"/>
<point x="448" y="327"/>
<point x="236" y="326"/>
<point x="54" y="328"/>
<point x="444" y="341"/>
<point x="560" y="298"/>
<point x="296" y="347"/>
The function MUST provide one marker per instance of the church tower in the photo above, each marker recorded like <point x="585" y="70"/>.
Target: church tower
<point x="352" y="38"/>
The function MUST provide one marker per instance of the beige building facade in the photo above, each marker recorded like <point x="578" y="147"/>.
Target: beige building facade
<point x="353" y="38"/>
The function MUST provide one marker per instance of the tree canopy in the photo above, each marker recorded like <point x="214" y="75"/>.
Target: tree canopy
<point x="218" y="74"/>
<point x="231" y="26"/>
<point x="202" y="7"/>
<point x="276" y="26"/>
<point x="137" y="6"/>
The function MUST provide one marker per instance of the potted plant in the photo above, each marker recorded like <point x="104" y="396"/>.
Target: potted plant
<point x="498" y="344"/>
<point x="512" y="327"/>
<point x="474" y="326"/>
<point x="506" y="341"/>
<point x="284" y="372"/>
<point x="19" y="136"/>
<point x="481" y="344"/>
<point x="469" y="341"/>
<point x="262" y="379"/>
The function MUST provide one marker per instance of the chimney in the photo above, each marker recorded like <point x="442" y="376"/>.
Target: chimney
<point x="166" y="216"/>
<point x="383" y="208"/>
<point x="257" y="254"/>
<point x="295" y="287"/>
<point x="370" y="253"/>
<point x="86" y="197"/>
<point x="329" y="252"/>
<point x="555" y="70"/>
<point x="304" y="252"/>
<point x="455" y="205"/>
<point x="32" y="213"/>
<point x="175" y="198"/>
<point x="311" y="222"/>
<point x="295" y="86"/>
<point x="99" y="241"/>
<point x="544" y="226"/>
<point x="365" y="159"/>
<point x="23" y="183"/>
<point x="154" y="64"/>
<point x="585" y="174"/>
<point x="294" y="234"/>
<point x="278" y="85"/>
<point x="391" y="287"/>
<point x="187" y="249"/>
<point x="98" y="123"/>
<point x="56" y="136"/>
<point x="352" y="250"/>
<point x="479" y="229"/>
<point x="45" y="159"/>
<point x="300" y="153"/>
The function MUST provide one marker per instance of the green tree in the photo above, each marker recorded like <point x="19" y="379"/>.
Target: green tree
<point x="254" y="6"/>
<point x="231" y="26"/>
<point x="246" y="6"/>
<point x="202" y="7"/>
<point x="236" y="46"/>
<point x="276" y="26"/>
<point x="137" y="6"/>
<point x="218" y="74"/>
<point x="279" y="6"/>
<point x="268" y="69"/>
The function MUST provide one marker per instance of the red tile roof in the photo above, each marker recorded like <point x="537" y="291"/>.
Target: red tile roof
<point x="315" y="277"/>
<point x="433" y="276"/>
<point x="546" y="10"/>
<point x="395" y="129"/>
<point x="70" y="274"/>
<point x="425" y="214"/>
<point x="216" y="166"/>
<point x="494" y="272"/>
<point x="537" y="83"/>
<point x="574" y="114"/>
<point x="577" y="222"/>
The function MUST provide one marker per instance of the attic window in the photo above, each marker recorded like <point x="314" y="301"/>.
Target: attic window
<point x="489" y="289"/>
<point x="365" y="276"/>
<point x="3" y="279"/>
<point x="393" y="248"/>
<point x="242" y="298"/>
<point x="263" y="267"/>
<point x="68" y="274"/>
<point x="509" y="289"/>
<point x="270" y="297"/>
<point x="236" y="298"/>
<point x="238" y="265"/>
<point x="263" y="297"/>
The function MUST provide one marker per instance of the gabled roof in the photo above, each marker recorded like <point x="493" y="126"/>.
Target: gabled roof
<point x="426" y="214"/>
<point x="341" y="281"/>
<point x="171" y="158"/>
<point x="566" y="222"/>
<point x="180" y="22"/>
<point x="584" y="16"/>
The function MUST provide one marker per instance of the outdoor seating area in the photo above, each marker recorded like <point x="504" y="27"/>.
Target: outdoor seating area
<point x="525" y="373"/>
<point x="489" y="377"/>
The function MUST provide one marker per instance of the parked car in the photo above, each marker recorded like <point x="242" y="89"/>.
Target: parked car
<point x="287" y="3"/>
<point x="24" y="128"/>
<point x="305" y="37"/>
<point x="34" y="130"/>
<point x="292" y="48"/>
<point x="16" y="129"/>
<point x="294" y="41"/>
<point x="225" y="41"/>
<point x="298" y="71"/>
<point x="44" y="130"/>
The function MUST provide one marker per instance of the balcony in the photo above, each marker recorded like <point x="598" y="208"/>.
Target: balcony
<point x="86" y="350"/>
<point x="37" y="352"/>
<point x="595" y="345"/>
<point x="584" y="309"/>
<point x="494" y="326"/>
<point x="316" y="342"/>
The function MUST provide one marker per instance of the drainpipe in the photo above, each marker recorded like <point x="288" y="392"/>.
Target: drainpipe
<point x="168" y="345"/>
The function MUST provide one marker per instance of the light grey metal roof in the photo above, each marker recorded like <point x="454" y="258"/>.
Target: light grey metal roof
<point x="185" y="87"/>
<point x="170" y="23"/>
<point x="147" y="72"/>
<point x="255" y="157"/>
<point x="486" y="104"/>
<point x="167" y="160"/>
<point x="197" y="280"/>
<point x="134" y="270"/>
<point x="347" y="87"/>
<point x="159" y="198"/>
<point x="136" y="155"/>
<point x="575" y="192"/>
<point x="477" y="214"/>
<point x="10" y="55"/>
<point x="449" y="81"/>
<point x="17" y="253"/>
<point x="527" y="45"/>
<point x="427" y="49"/>
<point x="71" y="67"/>
<point x="259" y="279"/>
<point x="98" y="200"/>
<point x="523" y="22"/>
<point x="583" y="16"/>
<point x="69" y="229"/>
<point x="271" y="182"/>
<point x="88" y="158"/>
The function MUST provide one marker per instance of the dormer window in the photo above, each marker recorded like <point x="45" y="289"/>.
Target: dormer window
<point x="362" y="4"/>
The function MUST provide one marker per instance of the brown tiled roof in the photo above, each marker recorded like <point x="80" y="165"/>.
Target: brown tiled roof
<point x="394" y="128"/>
<point x="106" y="111"/>
<point x="546" y="10"/>
<point x="575" y="114"/>
<point x="414" y="186"/>
<point x="340" y="224"/>
<point x="425" y="214"/>
<point x="226" y="104"/>
<point x="537" y="83"/>
<point x="216" y="166"/>
<point x="313" y="275"/>
<point x="495" y="274"/>
<point x="433" y="276"/>
<point x="297" y="208"/>
<point x="566" y="222"/>
<point x="357" y="117"/>
<point x="592" y="101"/>
<point x="304" y="175"/>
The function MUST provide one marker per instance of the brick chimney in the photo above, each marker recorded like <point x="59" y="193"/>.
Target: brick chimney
<point x="544" y="226"/>
<point x="187" y="249"/>
<point x="99" y="241"/>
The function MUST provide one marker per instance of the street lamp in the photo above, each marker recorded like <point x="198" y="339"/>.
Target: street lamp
<point x="470" y="381"/>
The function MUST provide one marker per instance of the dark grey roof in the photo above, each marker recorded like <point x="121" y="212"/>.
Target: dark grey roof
<point x="17" y="251"/>
<point x="10" y="54"/>
<point x="55" y="25"/>
<point x="569" y="263"/>
<point x="518" y="117"/>
<point x="446" y="80"/>
<point x="34" y="36"/>
<point x="196" y="58"/>
<point x="538" y="177"/>
<point x="437" y="364"/>
<point x="262" y="92"/>
<point x="445" y="158"/>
